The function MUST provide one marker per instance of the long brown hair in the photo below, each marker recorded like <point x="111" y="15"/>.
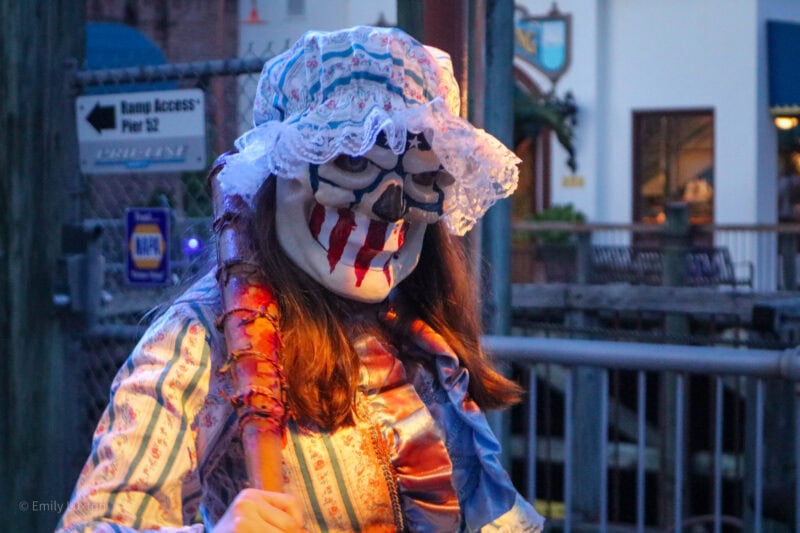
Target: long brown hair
<point x="321" y="366"/>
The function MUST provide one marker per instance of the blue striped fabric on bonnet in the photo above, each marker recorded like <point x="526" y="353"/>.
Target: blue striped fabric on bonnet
<point x="332" y="93"/>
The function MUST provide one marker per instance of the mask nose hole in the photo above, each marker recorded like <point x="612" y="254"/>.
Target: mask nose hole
<point x="391" y="205"/>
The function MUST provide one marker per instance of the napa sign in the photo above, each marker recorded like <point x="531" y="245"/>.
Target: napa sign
<point x="147" y="250"/>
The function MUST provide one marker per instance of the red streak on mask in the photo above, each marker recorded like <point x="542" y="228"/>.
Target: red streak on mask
<point x="317" y="218"/>
<point x="339" y="235"/>
<point x="401" y="238"/>
<point x="376" y="239"/>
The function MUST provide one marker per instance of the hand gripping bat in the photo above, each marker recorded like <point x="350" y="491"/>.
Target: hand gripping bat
<point x="249" y="322"/>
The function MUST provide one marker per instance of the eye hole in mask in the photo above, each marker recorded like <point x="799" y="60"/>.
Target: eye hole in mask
<point x="349" y="163"/>
<point x="426" y="179"/>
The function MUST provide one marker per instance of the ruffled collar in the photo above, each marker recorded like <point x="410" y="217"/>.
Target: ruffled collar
<point x="484" y="489"/>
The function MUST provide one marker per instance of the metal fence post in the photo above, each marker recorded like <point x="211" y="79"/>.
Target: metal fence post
<point x="796" y="449"/>
<point x="588" y="398"/>
<point x="583" y="256"/>
<point x="676" y="243"/>
<point x="94" y="274"/>
<point x="676" y="326"/>
<point x="787" y="247"/>
<point x="496" y="225"/>
<point x="769" y="477"/>
<point x="74" y="179"/>
<point x="499" y="121"/>
<point x="589" y="393"/>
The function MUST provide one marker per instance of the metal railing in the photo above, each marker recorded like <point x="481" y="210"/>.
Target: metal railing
<point x="596" y="360"/>
<point x="770" y="251"/>
<point x="674" y="283"/>
<point x="167" y="72"/>
<point x="599" y="358"/>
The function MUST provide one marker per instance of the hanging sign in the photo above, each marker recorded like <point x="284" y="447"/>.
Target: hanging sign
<point x="153" y="131"/>
<point x="544" y="41"/>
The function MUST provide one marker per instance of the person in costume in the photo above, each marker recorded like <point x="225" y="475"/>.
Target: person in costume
<point x="361" y="177"/>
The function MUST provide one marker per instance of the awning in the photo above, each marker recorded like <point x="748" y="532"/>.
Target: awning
<point x="112" y="45"/>
<point x="783" y="46"/>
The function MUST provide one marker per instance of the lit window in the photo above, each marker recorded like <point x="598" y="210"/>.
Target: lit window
<point x="673" y="162"/>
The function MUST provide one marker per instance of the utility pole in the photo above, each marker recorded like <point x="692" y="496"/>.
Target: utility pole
<point x="38" y="156"/>
<point x="499" y="121"/>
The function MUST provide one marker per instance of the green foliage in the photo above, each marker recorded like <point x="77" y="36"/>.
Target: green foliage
<point x="560" y="213"/>
<point x="557" y="213"/>
<point x="558" y="114"/>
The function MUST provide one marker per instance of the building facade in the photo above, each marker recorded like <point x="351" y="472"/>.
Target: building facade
<point x="672" y="105"/>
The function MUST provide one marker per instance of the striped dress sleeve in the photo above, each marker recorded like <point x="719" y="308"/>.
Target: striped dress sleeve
<point x="141" y="474"/>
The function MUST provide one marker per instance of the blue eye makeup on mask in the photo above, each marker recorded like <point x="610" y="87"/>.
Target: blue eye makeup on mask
<point x="349" y="163"/>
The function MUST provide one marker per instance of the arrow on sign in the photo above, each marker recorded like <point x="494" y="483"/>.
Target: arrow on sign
<point x="102" y="117"/>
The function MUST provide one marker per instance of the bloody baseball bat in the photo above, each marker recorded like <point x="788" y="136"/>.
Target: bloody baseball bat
<point x="249" y="322"/>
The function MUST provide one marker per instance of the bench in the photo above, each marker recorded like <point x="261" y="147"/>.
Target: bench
<point x="706" y="266"/>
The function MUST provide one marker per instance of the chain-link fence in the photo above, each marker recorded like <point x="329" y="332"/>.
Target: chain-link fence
<point x="109" y="330"/>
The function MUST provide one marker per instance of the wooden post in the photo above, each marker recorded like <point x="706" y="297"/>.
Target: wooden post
<point x="37" y="155"/>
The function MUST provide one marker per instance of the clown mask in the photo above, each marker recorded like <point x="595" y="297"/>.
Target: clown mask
<point x="356" y="223"/>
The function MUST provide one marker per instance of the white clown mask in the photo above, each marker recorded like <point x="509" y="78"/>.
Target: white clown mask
<point x="356" y="224"/>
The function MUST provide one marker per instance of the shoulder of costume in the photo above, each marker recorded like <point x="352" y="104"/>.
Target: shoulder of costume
<point x="200" y="302"/>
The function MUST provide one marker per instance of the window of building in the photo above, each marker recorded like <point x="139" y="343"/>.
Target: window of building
<point x="789" y="174"/>
<point x="673" y="161"/>
<point x="297" y="7"/>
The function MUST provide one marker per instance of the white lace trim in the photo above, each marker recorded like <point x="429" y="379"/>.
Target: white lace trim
<point x="484" y="169"/>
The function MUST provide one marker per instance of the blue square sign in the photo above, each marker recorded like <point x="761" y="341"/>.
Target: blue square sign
<point x="147" y="249"/>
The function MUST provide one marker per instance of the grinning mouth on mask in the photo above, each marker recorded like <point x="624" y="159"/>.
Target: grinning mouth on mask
<point x="353" y="240"/>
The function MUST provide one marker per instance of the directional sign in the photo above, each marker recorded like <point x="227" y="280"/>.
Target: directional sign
<point x="102" y="117"/>
<point x="142" y="132"/>
<point x="147" y="246"/>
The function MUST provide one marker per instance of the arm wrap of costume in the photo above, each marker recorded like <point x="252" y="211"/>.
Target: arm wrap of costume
<point x="250" y="323"/>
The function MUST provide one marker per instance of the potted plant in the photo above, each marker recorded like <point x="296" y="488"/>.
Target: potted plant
<point x="557" y="249"/>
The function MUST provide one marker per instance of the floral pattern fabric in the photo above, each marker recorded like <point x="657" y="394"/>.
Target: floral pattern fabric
<point x="166" y="449"/>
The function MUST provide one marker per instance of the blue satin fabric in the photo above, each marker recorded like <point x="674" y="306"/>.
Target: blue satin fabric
<point x="485" y="491"/>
